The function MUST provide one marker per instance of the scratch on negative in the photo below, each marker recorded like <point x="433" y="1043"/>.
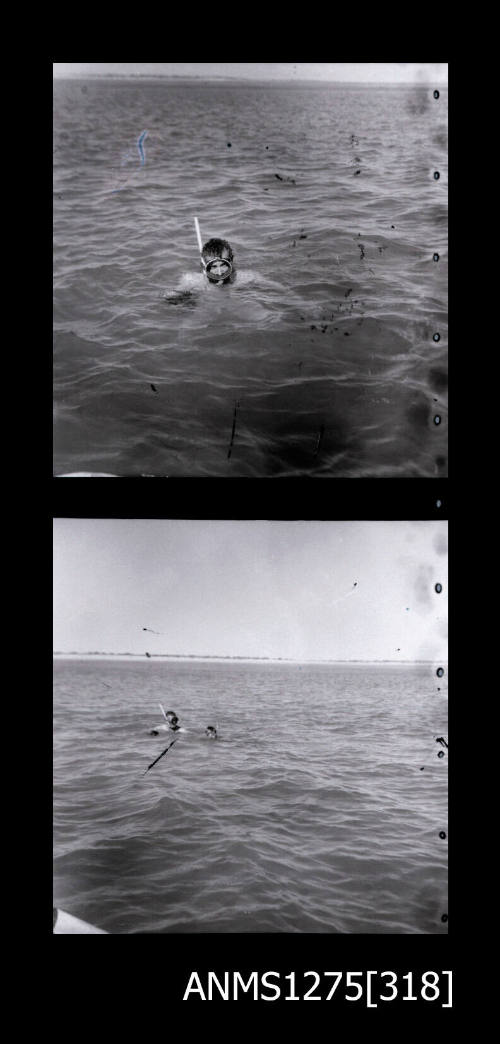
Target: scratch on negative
<point x="236" y="408"/>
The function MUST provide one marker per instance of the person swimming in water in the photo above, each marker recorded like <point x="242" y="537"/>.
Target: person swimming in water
<point x="217" y="269"/>
<point x="173" y="721"/>
<point x="171" y="724"/>
<point x="217" y="261"/>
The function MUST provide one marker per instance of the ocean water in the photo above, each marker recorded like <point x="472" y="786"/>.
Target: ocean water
<point x="318" y="809"/>
<point x="321" y="354"/>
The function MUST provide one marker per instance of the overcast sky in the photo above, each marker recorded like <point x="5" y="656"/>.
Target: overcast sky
<point x="356" y="72"/>
<point x="276" y="589"/>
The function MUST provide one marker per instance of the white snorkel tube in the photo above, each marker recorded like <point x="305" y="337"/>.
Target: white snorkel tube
<point x="198" y="236"/>
<point x="200" y="244"/>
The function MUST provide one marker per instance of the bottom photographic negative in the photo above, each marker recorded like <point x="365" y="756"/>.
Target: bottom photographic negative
<point x="250" y="727"/>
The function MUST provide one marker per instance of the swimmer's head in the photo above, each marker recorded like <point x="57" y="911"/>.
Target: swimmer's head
<point x="217" y="260"/>
<point x="172" y="717"/>
<point x="211" y="732"/>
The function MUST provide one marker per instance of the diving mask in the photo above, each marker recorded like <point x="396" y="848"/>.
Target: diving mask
<point x="218" y="269"/>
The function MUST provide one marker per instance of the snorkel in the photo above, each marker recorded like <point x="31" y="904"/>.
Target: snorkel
<point x="198" y="236"/>
<point x="218" y="269"/>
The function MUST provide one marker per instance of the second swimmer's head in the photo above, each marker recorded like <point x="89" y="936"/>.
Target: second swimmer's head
<point x="217" y="260"/>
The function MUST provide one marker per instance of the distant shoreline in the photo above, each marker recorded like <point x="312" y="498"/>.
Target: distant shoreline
<point x="220" y="659"/>
<point x="239" y="82"/>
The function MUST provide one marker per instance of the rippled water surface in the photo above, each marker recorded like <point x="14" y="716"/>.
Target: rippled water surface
<point x="318" y="809"/>
<point x="321" y="351"/>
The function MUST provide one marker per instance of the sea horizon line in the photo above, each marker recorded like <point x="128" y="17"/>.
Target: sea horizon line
<point x="234" y="80"/>
<point x="221" y="658"/>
